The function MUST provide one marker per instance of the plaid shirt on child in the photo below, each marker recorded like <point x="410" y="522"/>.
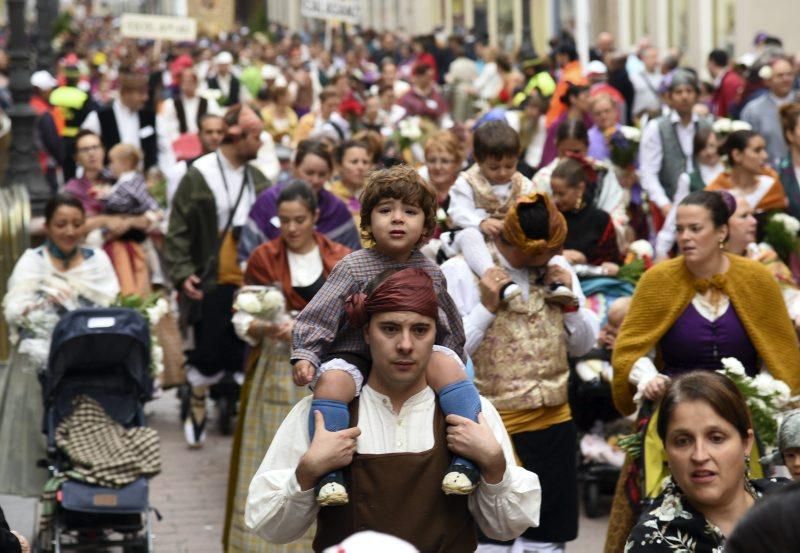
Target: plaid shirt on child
<point x="130" y="195"/>
<point x="322" y="327"/>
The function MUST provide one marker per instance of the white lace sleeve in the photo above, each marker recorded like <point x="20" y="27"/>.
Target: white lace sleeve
<point x="23" y="287"/>
<point x="642" y="373"/>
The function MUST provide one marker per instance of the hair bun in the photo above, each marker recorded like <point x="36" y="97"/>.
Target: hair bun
<point x="730" y="202"/>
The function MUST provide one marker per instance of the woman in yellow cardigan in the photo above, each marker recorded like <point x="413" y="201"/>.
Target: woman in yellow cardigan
<point x="693" y="311"/>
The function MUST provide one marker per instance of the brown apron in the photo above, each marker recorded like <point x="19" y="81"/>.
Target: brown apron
<point x="401" y="494"/>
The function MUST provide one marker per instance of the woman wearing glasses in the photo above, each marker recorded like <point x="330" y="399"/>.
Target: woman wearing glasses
<point x="89" y="157"/>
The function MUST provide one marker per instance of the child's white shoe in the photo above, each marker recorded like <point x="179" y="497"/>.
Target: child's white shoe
<point x="332" y="494"/>
<point x="510" y="291"/>
<point x="460" y="480"/>
<point x="561" y="295"/>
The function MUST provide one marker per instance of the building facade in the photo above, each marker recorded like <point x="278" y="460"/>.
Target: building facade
<point x="693" y="26"/>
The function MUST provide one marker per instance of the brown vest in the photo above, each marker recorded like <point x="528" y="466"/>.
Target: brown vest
<point x="401" y="494"/>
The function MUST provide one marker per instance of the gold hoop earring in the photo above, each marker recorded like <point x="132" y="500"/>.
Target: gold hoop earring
<point x="579" y="203"/>
<point x="722" y="244"/>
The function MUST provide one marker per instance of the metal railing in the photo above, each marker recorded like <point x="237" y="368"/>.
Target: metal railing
<point x="15" y="218"/>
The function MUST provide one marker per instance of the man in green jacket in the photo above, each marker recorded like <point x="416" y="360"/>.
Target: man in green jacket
<point x="209" y="208"/>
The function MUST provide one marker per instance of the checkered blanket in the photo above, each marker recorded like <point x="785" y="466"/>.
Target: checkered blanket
<point x="104" y="453"/>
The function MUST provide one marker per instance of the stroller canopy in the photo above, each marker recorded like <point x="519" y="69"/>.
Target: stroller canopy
<point x="99" y="346"/>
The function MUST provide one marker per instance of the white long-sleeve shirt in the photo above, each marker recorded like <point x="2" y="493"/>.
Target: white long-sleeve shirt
<point x="651" y="155"/>
<point x="462" y="210"/>
<point x="280" y="512"/>
<point x="582" y="326"/>
<point x="167" y="118"/>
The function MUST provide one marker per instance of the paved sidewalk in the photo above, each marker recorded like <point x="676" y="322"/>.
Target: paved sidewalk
<point x="190" y="491"/>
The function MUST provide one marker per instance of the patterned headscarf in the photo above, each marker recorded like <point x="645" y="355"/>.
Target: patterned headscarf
<point x="514" y="235"/>
<point x="406" y="290"/>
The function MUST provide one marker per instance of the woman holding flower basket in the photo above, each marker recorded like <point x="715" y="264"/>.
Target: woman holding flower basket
<point x="282" y="276"/>
<point x="47" y="281"/>
<point x="691" y="312"/>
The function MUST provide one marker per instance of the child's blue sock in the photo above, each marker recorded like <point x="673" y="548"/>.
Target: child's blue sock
<point x="335" y="413"/>
<point x="461" y="398"/>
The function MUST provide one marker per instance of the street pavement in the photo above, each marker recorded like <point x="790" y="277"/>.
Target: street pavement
<point x="190" y="491"/>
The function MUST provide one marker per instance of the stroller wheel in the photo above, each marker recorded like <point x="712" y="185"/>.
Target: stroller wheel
<point x="226" y="407"/>
<point x="591" y="499"/>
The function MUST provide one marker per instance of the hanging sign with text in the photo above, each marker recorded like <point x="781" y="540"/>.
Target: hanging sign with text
<point x="158" y="27"/>
<point x="348" y="11"/>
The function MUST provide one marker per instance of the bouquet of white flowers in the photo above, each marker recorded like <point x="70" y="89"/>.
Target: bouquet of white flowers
<point x="765" y="396"/>
<point x="263" y="302"/>
<point x="780" y="232"/>
<point x="724" y="126"/>
<point x="153" y="308"/>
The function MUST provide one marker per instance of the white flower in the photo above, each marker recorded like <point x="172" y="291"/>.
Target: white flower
<point x="727" y="126"/>
<point x="738" y="125"/>
<point x="157" y="311"/>
<point x="631" y="133"/>
<point x="765" y="73"/>
<point x="441" y="215"/>
<point x="211" y="94"/>
<point x="765" y="384"/>
<point x="271" y="301"/>
<point x="670" y="509"/>
<point x="789" y="223"/>
<point x="771" y="388"/>
<point x="248" y="302"/>
<point x="722" y="126"/>
<point x="409" y="128"/>
<point x="782" y="393"/>
<point x="156" y="358"/>
<point x="733" y="366"/>
<point x="642" y="249"/>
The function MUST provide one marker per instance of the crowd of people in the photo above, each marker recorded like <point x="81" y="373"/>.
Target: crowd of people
<point x="391" y="246"/>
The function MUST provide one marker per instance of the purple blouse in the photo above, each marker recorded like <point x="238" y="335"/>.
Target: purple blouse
<point x="694" y="342"/>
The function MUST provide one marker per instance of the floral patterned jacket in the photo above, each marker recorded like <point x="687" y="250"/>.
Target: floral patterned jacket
<point x="673" y="525"/>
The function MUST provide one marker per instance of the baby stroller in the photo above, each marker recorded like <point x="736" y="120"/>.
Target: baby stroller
<point x="593" y="410"/>
<point x="103" y="354"/>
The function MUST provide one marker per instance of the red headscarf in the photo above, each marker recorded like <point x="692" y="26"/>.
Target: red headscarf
<point x="406" y="290"/>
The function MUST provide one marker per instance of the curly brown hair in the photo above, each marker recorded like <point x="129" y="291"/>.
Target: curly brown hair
<point x="401" y="182"/>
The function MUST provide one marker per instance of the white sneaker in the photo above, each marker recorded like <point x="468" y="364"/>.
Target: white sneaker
<point x="561" y="295"/>
<point x="332" y="494"/>
<point x="510" y="291"/>
<point x="457" y="483"/>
